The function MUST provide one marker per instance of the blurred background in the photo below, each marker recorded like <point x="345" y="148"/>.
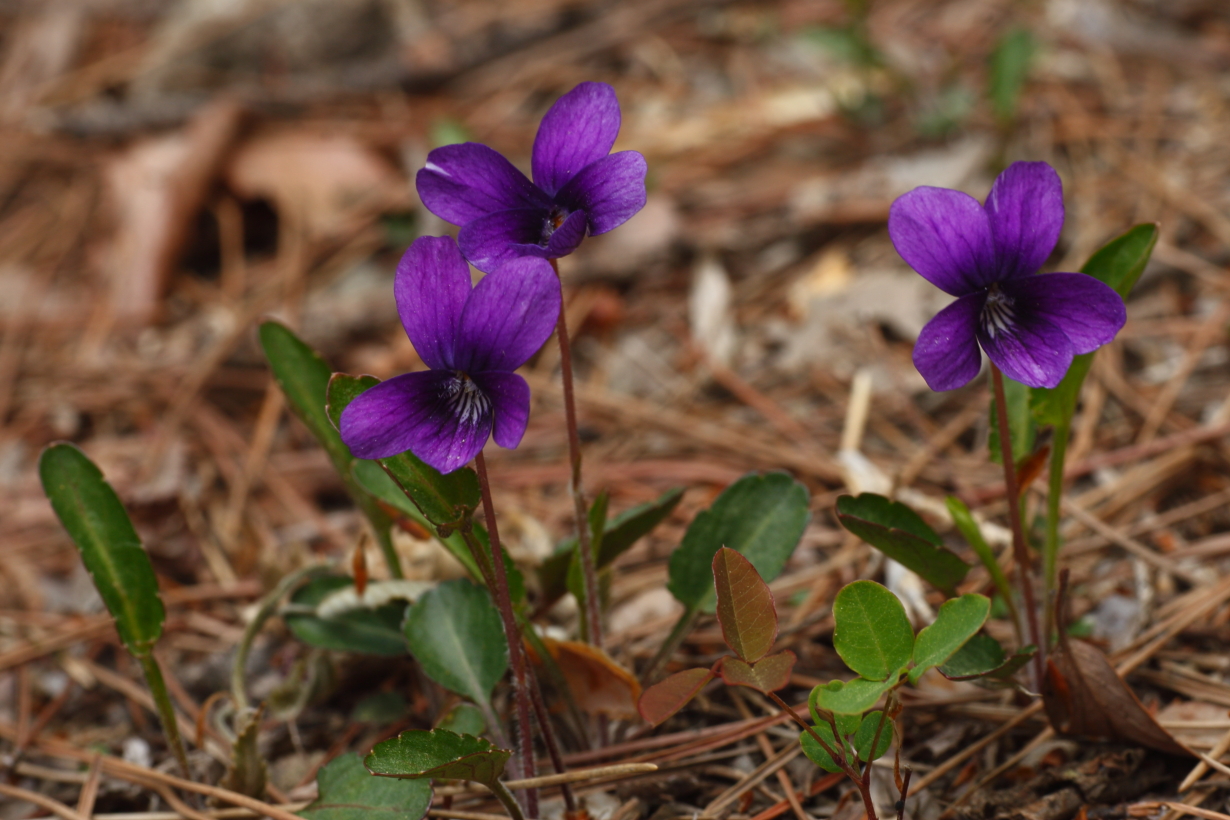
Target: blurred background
<point x="171" y="172"/>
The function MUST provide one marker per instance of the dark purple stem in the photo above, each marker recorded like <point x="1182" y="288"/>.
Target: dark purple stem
<point x="589" y="572"/>
<point x="1019" y="551"/>
<point x="516" y="653"/>
<point x="548" y="736"/>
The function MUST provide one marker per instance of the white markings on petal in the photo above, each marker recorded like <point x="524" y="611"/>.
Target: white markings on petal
<point x="997" y="312"/>
<point x="468" y="403"/>
<point x="431" y="166"/>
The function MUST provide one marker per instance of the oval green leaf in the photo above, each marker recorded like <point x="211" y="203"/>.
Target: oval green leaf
<point x="897" y="531"/>
<point x="866" y="735"/>
<point x="440" y="754"/>
<point x="110" y="549"/>
<point x="852" y="697"/>
<point x="455" y="633"/>
<point x="816" y="753"/>
<point x="871" y="632"/>
<point x="957" y="621"/>
<point x="759" y="516"/>
<point x="348" y="791"/>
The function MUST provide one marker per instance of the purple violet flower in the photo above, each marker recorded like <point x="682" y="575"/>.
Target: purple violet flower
<point x="578" y="185"/>
<point x="472" y="339"/>
<point x="1030" y="325"/>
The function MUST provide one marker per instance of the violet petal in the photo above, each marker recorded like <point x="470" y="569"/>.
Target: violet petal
<point x="946" y="353"/>
<point x="511" y="312"/>
<point x="413" y="412"/>
<point x="565" y="239"/>
<point x="1025" y="208"/>
<point x="431" y="289"/>
<point x="1088" y="311"/>
<point x="1033" y="350"/>
<point x="510" y="403"/>
<point x="494" y="239"/>
<point x="463" y="182"/>
<point x="945" y="236"/>
<point x="610" y="190"/>
<point x="578" y="130"/>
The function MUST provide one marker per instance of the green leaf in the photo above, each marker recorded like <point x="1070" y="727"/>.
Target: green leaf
<point x="350" y="792"/>
<point x="853" y="697"/>
<point x="867" y="735"/>
<point x="110" y="549"/>
<point x="380" y="707"/>
<point x="455" y="633"/>
<point x="871" y="631"/>
<point x="1008" y="70"/>
<point x="982" y="656"/>
<point x="897" y="531"/>
<point x="745" y="607"/>
<point x="464" y="719"/>
<point x="440" y="754"/>
<point x="620" y="533"/>
<point x="957" y="621"/>
<point x="373" y="631"/>
<point x="445" y="500"/>
<point x="667" y="697"/>
<point x="766" y="675"/>
<point x="1021" y="424"/>
<point x="815" y="752"/>
<point x="1119" y="263"/>
<point x="846" y="724"/>
<point x="760" y="516"/>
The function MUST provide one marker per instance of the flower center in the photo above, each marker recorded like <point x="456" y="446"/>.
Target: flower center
<point x="554" y="219"/>
<point x="464" y="398"/>
<point x="997" y="312"/>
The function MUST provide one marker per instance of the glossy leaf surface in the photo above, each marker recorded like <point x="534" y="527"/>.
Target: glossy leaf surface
<point x="957" y="621"/>
<point x="439" y="753"/>
<point x="852" y="697"/>
<point x="760" y="516"/>
<point x="897" y="531"/>
<point x="667" y="697"/>
<point x="348" y="791"/>
<point x="745" y="607"/>
<point x="871" y="632"/>
<point x="816" y="753"/>
<point x="110" y="548"/>
<point x="867" y="735"/>
<point x="455" y="633"/>
<point x="982" y="656"/>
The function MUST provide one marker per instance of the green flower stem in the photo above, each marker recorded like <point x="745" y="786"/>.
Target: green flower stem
<point x="516" y="651"/>
<point x="166" y="712"/>
<point x="505" y="796"/>
<point x="682" y="627"/>
<point x="589" y="573"/>
<point x="1054" y="500"/>
<point x="1019" y="550"/>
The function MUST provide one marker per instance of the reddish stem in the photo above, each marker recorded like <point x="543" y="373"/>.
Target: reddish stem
<point x="589" y="572"/>
<point x="516" y="653"/>
<point x="1019" y="551"/>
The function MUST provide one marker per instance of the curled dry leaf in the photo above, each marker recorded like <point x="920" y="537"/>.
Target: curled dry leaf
<point x="1083" y="695"/>
<point x="599" y="685"/>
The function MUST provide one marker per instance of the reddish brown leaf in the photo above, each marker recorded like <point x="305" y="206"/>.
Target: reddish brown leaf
<point x="1083" y="695"/>
<point x="744" y="606"/>
<point x="766" y="675"/>
<point x="598" y="684"/>
<point x="1031" y="467"/>
<point x="664" y="699"/>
